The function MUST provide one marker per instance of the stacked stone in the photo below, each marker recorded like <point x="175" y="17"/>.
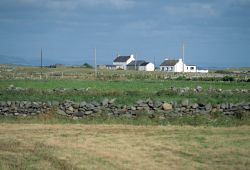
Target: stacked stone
<point x="83" y="109"/>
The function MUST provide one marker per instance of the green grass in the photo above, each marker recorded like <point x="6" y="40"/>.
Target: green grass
<point x="137" y="85"/>
<point x="126" y="92"/>
<point x="142" y="119"/>
<point x="122" y="97"/>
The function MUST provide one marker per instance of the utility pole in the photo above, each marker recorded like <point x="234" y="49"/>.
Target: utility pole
<point x="95" y="62"/>
<point x="135" y="61"/>
<point x="154" y="60"/>
<point x="183" y="55"/>
<point x="41" y="63"/>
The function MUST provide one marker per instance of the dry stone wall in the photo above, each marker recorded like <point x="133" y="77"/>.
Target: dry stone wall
<point x="111" y="108"/>
<point x="178" y="90"/>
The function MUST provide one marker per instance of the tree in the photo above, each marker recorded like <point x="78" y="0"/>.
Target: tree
<point x="86" y="65"/>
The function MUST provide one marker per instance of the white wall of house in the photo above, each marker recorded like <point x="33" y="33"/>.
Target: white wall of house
<point x="120" y="65"/>
<point x="190" y="69"/>
<point x="202" y="71"/>
<point x="123" y="65"/>
<point x="132" y="58"/>
<point x="148" y="67"/>
<point x="179" y="66"/>
<point x="167" y="68"/>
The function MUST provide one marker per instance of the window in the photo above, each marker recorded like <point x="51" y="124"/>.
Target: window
<point x="191" y="68"/>
<point x="187" y="68"/>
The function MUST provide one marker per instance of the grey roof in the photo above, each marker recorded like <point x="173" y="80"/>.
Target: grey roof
<point x="121" y="58"/>
<point x="144" y="64"/>
<point x="136" y="62"/>
<point x="110" y="65"/>
<point x="169" y="63"/>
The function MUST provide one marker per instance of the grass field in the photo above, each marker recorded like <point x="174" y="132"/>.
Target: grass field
<point x="125" y="92"/>
<point x="108" y="147"/>
<point x="51" y="141"/>
<point x="142" y="85"/>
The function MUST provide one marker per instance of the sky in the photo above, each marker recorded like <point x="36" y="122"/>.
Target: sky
<point x="216" y="33"/>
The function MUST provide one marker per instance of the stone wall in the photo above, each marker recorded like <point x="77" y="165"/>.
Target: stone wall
<point x="179" y="90"/>
<point x="111" y="108"/>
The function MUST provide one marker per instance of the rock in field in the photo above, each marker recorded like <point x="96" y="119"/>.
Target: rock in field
<point x="61" y="112"/>
<point x="105" y="102"/>
<point x="78" y="114"/>
<point x="167" y="106"/>
<point x="208" y="107"/>
<point x="185" y="102"/>
<point x="195" y="106"/>
<point x="82" y="104"/>
<point x="198" y="88"/>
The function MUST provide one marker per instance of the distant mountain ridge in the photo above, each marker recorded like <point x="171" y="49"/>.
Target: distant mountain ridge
<point x="35" y="61"/>
<point x="5" y="59"/>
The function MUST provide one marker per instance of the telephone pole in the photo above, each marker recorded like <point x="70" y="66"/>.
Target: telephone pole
<point x="135" y="61"/>
<point x="95" y="62"/>
<point x="41" y="63"/>
<point x="183" y="55"/>
<point x="154" y="61"/>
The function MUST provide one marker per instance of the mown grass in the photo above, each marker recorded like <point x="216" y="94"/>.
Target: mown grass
<point x="123" y="147"/>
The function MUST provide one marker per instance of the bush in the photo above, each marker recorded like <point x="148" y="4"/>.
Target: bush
<point x="223" y="71"/>
<point x="86" y="65"/>
<point x="181" y="78"/>
<point x="228" y="78"/>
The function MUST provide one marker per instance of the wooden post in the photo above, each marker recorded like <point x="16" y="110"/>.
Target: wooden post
<point x="41" y="63"/>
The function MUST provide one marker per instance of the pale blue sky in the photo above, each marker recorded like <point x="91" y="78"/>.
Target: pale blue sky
<point x="216" y="32"/>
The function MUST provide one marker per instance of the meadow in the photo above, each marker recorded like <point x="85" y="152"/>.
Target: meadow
<point x="37" y="146"/>
<point x="52" y="141"/>
<point x="125" y="92"/>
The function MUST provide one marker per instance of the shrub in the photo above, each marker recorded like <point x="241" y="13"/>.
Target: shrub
<point x="86" y="65"/>
<point x="228" y="78"/>
<point x="181" y="78"/>
<point x="222" y="71"/>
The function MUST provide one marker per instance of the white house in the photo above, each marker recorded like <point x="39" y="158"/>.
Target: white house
<point x="147" y="66"/>
<point x="190" y="69"/>
<point x="121" y="62"/>
<point x="176" y="66"/>
<point x="140" y="65"/>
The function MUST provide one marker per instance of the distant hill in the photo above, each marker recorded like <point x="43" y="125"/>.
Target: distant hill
<point x="5" y="59"/>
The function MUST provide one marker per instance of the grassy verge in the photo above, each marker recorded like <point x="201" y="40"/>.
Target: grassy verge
<point x="123" y="147"/>
<point x="123" y="97"/>
<point x="216" y="120"/>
